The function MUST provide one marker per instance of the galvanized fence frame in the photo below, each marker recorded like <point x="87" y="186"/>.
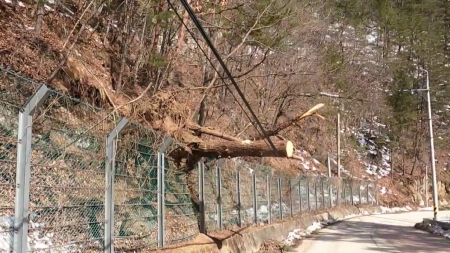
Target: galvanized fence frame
<point x="142" y="201"/>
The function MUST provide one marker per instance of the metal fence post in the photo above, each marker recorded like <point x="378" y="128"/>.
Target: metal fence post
<point x="351" y="192"/>
<point x="359" y="192"/>
<point x="280" y="199"/>
<point x="290" y="198"/>
<point x="344" y="193"/>
<point x="368" y="194"/>
<point x="219" y="193"/>
<point x="238" y="196"/>
<point x="330" y="187"/>
<point x="269" y="201"/>
<point x="330" y="192"/>
<point x="339" y="192"/>
<point x="308" y="195"/>
<point x="300" y="194"/>
<point x="376" y="192"/>
<point x="110" y="168"/>
<point x="23" y="173"/>
<point x="315" y="194"/>
<point x="329" y="165"/>
<point x="201" y="196"/>
<point x="323" y="193"/>
<point x="254" y="198"/>
<point x="161" y="191"/>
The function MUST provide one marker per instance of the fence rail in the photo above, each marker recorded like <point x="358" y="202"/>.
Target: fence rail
<point x="76" y="178"/>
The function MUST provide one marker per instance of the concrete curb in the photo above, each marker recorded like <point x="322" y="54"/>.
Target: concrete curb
<point x="251" y="240"/>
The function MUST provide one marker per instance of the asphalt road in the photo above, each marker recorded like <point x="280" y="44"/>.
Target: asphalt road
<point x="386" y="233"/>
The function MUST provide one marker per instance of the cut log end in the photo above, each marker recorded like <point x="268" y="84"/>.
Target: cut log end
<point x="289" y="149"/>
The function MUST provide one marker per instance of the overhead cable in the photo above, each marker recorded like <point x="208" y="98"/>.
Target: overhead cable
<point x="225" y="68"/>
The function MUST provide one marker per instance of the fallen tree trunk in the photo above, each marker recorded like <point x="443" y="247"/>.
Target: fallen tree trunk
<point x="173" y="123"/>
<point x="230" y="149"/>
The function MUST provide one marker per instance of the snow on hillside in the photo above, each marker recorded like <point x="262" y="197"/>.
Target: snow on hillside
<point x="374" y="156"/>
<point x="307" y="162"/>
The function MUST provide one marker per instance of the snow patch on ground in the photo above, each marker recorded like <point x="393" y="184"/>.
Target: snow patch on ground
<point x="395" y="209"/>
<point x="304" y="163"/>
<point x="383" y="190"/>
<point x="343" y="170"/>
<point x="434" y="229"/>
<point x="439" y="231"/>
<point x="298" y="234"/>
<point x="19" y="3"/>
<point x="36" y="240"/>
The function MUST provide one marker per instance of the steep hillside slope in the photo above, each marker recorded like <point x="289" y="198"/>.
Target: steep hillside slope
<point x="287" y="57"/>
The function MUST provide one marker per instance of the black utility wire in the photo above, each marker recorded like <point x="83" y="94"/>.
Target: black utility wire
<point x="225" y="68"/>
<point x="212" y="65"/>
<point x="210" y="62"/>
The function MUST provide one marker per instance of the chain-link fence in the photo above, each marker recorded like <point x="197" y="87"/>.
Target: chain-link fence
<point x="67" y="174"/>
<point x="135" y="188"/>
<point x="76" y="178"/>
<point x="181" y="218"/>
<point x="12" y="96"/>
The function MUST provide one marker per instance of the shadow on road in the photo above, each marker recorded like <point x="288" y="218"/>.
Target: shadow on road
<point x="387" y="238"/>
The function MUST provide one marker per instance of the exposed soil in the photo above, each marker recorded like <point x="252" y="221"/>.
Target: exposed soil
<point x="85" y="75"/>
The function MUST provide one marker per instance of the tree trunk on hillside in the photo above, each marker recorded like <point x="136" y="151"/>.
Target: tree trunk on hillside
<point x="183" y="29"/>
<point x="40" y="18"/>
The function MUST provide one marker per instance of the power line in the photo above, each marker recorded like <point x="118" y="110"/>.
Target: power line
<point x="206" y="56"/>
<point x="225" y="68"/>
<point x="210" y="62"/>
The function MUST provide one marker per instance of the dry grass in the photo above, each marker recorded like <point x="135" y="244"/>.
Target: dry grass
<point x="86" y="75"/>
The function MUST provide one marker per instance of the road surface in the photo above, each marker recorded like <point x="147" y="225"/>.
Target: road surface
<point x="386" y="233"/>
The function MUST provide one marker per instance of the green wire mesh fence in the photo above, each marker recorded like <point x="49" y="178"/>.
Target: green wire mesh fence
<point x="76" y="178"/>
